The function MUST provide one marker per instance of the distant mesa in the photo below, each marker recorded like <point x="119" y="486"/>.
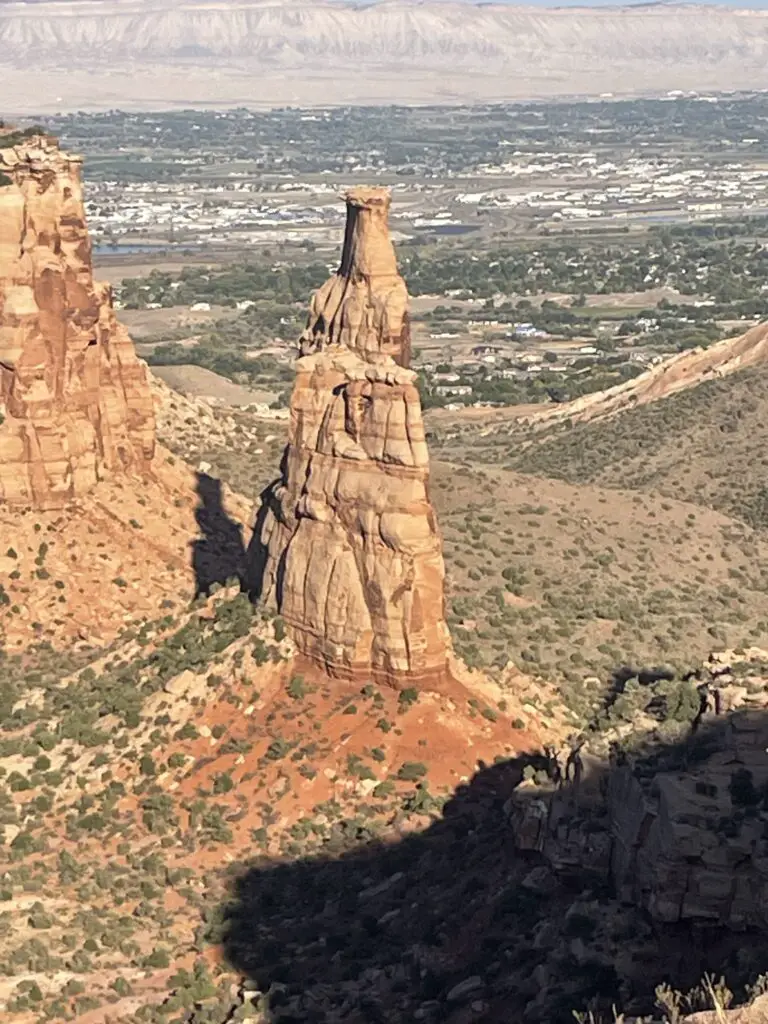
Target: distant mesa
<point x="346" y="541"/>
<point x="160" y="54"/>
<point x="75" y="401"/>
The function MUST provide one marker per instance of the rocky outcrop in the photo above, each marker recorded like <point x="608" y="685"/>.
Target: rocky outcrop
<point x="691" y="844"/>
<point x="755" y="1012"/>
<point x="75" y="402"/>
<point x="680" y="831"/>
<point x="346" y="542"/>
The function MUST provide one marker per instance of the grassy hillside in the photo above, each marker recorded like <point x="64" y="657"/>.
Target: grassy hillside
<point x="708" y="445"/>
<point x="575" y="581"/>
<point x="569" y="582"/>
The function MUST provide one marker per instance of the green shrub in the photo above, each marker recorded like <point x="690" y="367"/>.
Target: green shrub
<point x="411" y="771"/>
<point x="297" y="688"/>
<point x="157" y="958"/>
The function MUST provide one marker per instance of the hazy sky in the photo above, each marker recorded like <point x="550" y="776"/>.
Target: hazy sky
<point x="761" y="5"/>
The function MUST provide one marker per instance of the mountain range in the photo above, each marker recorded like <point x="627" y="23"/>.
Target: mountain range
<point x="144" y="54"/>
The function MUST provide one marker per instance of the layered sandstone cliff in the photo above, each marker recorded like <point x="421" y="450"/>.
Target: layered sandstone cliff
<point x="496" y="52"/>
<point x="346" y="541"/>
<point x="75" y="403"/>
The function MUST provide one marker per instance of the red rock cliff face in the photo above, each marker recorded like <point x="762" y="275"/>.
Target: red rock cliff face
<point x="347" y="543"/>
<point x="75" y="403"/>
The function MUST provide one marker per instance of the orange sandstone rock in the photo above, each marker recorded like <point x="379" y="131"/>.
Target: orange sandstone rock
<point x="75" y="402"/>
<point x="346" y="542"/>
<point x="364" y="306"/>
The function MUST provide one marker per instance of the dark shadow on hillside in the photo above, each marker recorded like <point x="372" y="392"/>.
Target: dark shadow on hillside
<point x="457" y="923"/>
<point x="219" y="554"/>
<point x="645" y="676"/>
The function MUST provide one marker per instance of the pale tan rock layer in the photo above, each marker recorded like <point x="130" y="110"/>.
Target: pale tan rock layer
<point x="75" y="402"/>
<point x="347" y="542"/>
<point x="679" y="372"/>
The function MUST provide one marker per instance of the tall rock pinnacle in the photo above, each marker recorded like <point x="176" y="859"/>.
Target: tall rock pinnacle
<point x="75" y="402"/>
<point x="346" y="542"/>
<point x="364" y="306"/>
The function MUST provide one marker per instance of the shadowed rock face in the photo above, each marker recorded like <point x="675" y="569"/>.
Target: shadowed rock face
<point x="690" y="844"/>
<point x="75" y="403"/>
<point x="364" y="306"/>
<point x="347" y="542"/>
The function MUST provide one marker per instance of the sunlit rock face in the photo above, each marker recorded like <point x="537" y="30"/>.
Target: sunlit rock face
<point x="347" y="543"/>
<point x="364" y="306"/>
<point x="75" y="403"/>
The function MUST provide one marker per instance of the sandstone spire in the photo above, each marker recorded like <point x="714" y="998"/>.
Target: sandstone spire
<point x="75" y="402"/>
<point x="364" y="306"/>
<point x="346" y="541"/>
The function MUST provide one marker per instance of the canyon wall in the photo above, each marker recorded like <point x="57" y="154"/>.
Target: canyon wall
<point x="346" y="542"/>
<point x="692" y="844"/>
<point x="680" y="831"/>
<point x="75" y="402"/>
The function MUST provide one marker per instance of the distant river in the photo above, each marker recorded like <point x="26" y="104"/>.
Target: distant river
<point x="127" y="250"/>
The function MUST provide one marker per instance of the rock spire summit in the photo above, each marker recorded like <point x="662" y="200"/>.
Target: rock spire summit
<point x="75" y="402"/>
<point x="346" y="541"/>
<point x="364" y="306"/>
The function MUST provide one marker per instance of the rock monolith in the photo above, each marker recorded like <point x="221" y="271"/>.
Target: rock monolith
<point x="364" y="306"/>
<point x="346" y="541"/>
<point x="75" y="401"/>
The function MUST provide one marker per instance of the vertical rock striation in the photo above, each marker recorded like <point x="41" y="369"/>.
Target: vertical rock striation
<point x="346" y="542"/>
<point x="75" y="402"/>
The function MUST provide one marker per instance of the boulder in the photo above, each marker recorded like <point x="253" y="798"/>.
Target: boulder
<point x="187" y="684"/>
<point x="464" y="988"/>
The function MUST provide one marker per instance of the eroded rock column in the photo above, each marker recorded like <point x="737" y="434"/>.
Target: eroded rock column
<point x="364" y="306"/>
<point x="75" y="402"/>
<point x="347" y="543"/>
